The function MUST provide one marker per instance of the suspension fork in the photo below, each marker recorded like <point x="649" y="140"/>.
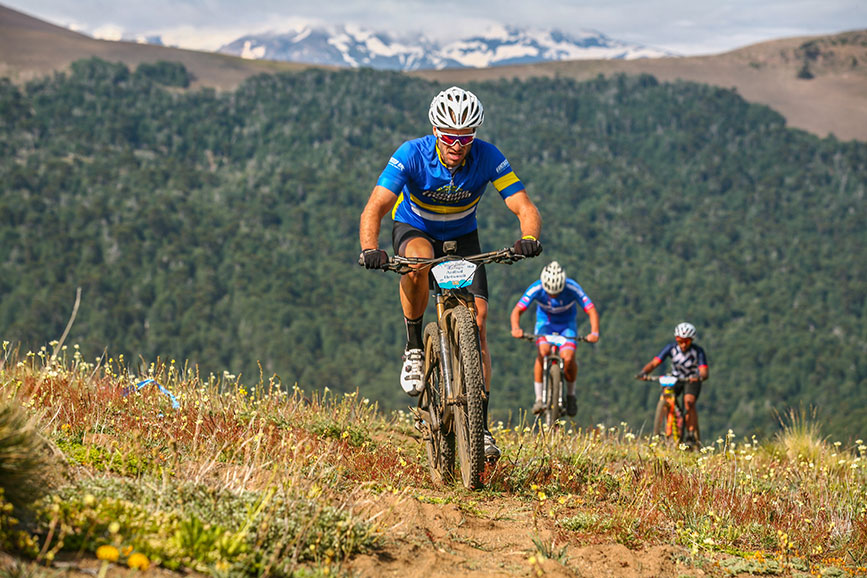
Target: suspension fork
<point x="445" y="347"/>
<point x="552" y="357"/>
<point x="442" y="305"/>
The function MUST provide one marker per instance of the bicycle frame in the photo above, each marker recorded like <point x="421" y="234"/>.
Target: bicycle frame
<point x="450" y="288"/>
<point x="554" y="408"/>
<point x="452" y="411"/>
<point x="669" y="417"/>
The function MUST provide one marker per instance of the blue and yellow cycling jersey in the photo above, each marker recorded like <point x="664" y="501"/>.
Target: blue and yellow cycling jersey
<point x="440" y="202"/>
<point x="559" y="311"/>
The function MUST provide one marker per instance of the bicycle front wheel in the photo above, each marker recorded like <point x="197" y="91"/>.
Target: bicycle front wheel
<point x="469" y="388"/>
<point x="660" y="420"/>
<point x="437" y="428"/>
<point x="554" y="391"/>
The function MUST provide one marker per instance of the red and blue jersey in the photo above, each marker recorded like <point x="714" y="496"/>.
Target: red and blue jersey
<point x="559" y="311"/>
<point x="438" y="201"/>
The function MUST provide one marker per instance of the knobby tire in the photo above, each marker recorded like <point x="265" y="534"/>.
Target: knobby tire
<point x="439" y="441"/>
<point x="469" y="388"/>
<point x="555" y="384"/>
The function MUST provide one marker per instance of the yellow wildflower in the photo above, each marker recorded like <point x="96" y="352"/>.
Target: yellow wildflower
<point x="107" y="552"/>
<point x="138" y="561"/>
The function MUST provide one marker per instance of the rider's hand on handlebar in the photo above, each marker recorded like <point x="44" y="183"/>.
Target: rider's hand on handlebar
<point x="373" y="258"/>
<point x="527" y="246"/>
<point x="591" y="337"/>
<point x="641" y="375"/>
<point x="517" y="332"/>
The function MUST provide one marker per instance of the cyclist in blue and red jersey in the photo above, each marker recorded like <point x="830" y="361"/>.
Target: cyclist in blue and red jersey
<point x="557" y="300"/>
<point x="689" y="366"/>
<point x="432" y="186"/>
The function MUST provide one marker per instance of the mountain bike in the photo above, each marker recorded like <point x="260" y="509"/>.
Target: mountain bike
<point x="553" y="392"/>
<point x="668" y="421"/>
<point x="451" y="407"/>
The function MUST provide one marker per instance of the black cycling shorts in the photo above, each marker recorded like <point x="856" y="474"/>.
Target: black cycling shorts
<point x="467" y="245"/>
<point x="688" y="387"/>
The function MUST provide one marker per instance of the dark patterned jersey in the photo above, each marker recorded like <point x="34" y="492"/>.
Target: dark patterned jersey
<point x="684" y="364"/>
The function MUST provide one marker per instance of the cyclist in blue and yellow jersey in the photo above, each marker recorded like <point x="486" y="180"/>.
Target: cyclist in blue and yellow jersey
<point x="432" y="186"/>
<point x="689" y="366"/>
<point x="557" y="299"/>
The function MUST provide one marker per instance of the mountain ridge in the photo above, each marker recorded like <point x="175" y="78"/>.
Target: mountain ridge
<point x="355" y="46"/>
<point x="833" y="101"/>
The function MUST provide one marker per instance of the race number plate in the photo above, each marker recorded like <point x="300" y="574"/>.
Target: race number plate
<point x="454" y="274"/>
<point x="556" y="339"/>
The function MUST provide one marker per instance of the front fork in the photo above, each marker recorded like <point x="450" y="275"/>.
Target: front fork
<point x="553" y="357"/>
<point x="445" y="346"/>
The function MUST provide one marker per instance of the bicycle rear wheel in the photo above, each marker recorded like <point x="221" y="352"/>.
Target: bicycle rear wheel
<point x="660" y="420"/>
<point x="469" y="387"/>
<point x="554" y="391"/>
<point x="438" y="435"/>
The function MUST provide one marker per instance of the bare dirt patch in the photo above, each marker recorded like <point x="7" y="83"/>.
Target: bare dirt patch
<point x="487" y="535"/>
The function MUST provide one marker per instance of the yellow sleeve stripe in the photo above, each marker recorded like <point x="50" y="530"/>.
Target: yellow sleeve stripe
<point x="509" y="178"/>
<point x="442" y="209"/>
<point x="396" y="203"/>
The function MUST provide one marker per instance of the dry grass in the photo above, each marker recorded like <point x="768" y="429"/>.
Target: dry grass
<point x="261" y="478"/>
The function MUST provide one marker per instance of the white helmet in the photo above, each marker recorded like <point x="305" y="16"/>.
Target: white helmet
<point x="553" y="278"/>
<point x="456" y="108"/>
<point x="685" y="330"/>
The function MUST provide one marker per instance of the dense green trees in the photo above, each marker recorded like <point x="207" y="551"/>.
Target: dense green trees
<point x="222" y="228"/>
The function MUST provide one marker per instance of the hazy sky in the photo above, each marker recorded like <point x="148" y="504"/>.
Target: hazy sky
<point x="683" y="26"/>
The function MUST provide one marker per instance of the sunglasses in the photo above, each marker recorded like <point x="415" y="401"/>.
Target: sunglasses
<point x="452" y="139"/>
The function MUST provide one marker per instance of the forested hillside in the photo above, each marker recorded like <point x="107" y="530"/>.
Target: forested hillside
<point x="221" y="228"/>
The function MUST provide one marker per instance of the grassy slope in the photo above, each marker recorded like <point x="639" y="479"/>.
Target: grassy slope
<point x="250" y="483"/>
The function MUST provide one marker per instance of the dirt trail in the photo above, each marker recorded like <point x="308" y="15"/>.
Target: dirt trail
<point x="494" y="536"/>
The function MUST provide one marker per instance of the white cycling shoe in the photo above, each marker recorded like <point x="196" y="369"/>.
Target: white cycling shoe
<point x="412" y="372"/>
<point x="492" y="452"/>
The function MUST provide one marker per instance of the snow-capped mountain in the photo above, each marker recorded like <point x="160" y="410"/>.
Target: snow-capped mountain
<point x="353" y="46"/>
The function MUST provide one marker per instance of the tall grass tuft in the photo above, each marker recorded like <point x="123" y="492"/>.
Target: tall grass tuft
<point x="800" y="438"/>
<point x="24" y="461"/>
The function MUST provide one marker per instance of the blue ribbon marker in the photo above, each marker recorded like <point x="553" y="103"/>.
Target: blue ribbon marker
<point x="151" y="380"/>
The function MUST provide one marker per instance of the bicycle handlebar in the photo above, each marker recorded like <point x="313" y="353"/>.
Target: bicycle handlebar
<point x="533" y="337"/>
<point x="404" y="265"/>
<point x="647" y="377"/>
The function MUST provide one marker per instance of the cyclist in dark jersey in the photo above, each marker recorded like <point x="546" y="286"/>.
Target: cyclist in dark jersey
<point x="432" y="186"/>
<point x="689" y="365"/>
